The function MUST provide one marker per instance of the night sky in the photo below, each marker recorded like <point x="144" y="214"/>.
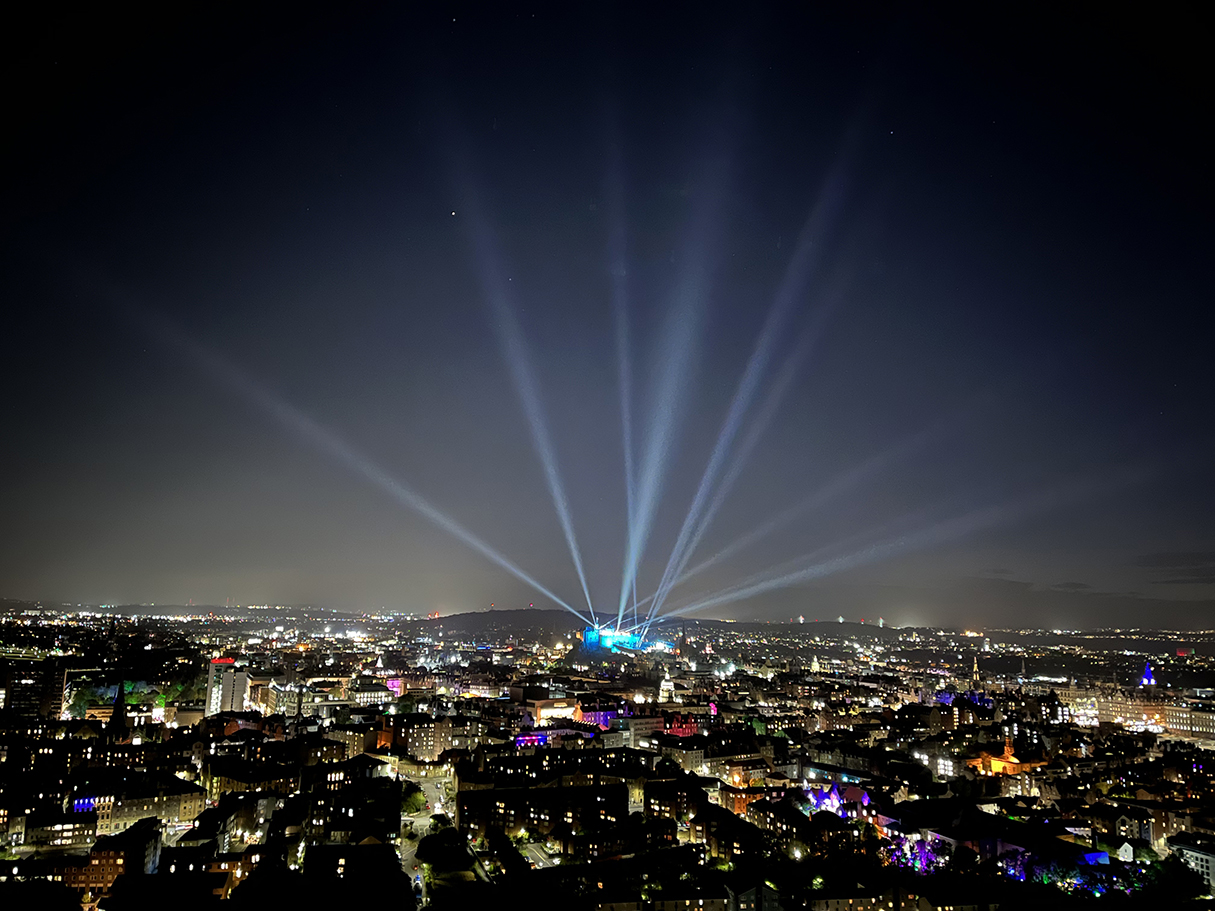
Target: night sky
<point x="271" y="276"/>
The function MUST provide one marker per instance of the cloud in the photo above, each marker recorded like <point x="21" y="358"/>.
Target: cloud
<point x="1071" y="586"/>
<point x="1181" y="567"/>
<point x="1178" y="559"/>
<point x="999" y="572"/>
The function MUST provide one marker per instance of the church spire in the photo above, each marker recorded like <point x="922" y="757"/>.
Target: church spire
<point x="1149" y="679"/>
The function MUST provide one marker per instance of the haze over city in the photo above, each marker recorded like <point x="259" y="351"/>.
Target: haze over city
<point x="776" y="314"/>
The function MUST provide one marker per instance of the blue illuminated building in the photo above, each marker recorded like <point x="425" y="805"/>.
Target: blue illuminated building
<point x="1149" y="679"/>
<point x="594" y="639"/>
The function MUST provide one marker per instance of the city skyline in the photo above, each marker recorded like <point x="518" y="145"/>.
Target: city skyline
<point x="817" y="315"/>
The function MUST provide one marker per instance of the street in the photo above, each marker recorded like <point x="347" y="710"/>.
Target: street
<point x="434" y="790"/>
<point x="538" y="857"/>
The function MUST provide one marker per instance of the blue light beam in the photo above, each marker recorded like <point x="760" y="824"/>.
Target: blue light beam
<point x="840" y="484"/>
<point x="797" y="276"/>
<point x="328" y="443"/>
<point x="679" y="338"/>
<point x="618" y="260"/>
<point x="751" y="438"/>
<point x="518" y="362"/>
<point x="843" y="547"/>
<point x="942" y="532"/>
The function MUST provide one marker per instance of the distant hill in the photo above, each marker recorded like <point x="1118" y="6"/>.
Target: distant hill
<point x="526" y="622"/>
<point x="556" y="622"/>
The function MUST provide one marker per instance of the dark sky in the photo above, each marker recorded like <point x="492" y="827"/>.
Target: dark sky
<point x="245" y="331"/>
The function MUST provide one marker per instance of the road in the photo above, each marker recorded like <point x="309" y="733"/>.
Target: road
<point x="538" y="857"/>
<point x="435" y="790"/>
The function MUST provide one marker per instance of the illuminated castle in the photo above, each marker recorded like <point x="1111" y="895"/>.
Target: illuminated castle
<point x="594" y="638"/>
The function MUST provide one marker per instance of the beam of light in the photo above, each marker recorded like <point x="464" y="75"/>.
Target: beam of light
<point x="792" y="287"/>
<point x="328" y="443"/>
<point x="840" y="484"/>
<point x="750" y="439"/>
<point x="643" y="602"/>
<point x="618" y="258"/>
<point x="518" y="362"/>
<point x="693" y="528"/>
<point x="679" y="336"/>
<point x="942" y="532"/>
<point x="660" y="435"/>
<point x="838" y="548"/>
<point x="844" y="482"/>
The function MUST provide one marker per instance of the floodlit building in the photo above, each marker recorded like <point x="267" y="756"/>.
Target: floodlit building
<point x="227" y="687"/>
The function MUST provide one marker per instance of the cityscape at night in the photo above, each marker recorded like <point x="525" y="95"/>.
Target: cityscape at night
<point x="684" y="457"/>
